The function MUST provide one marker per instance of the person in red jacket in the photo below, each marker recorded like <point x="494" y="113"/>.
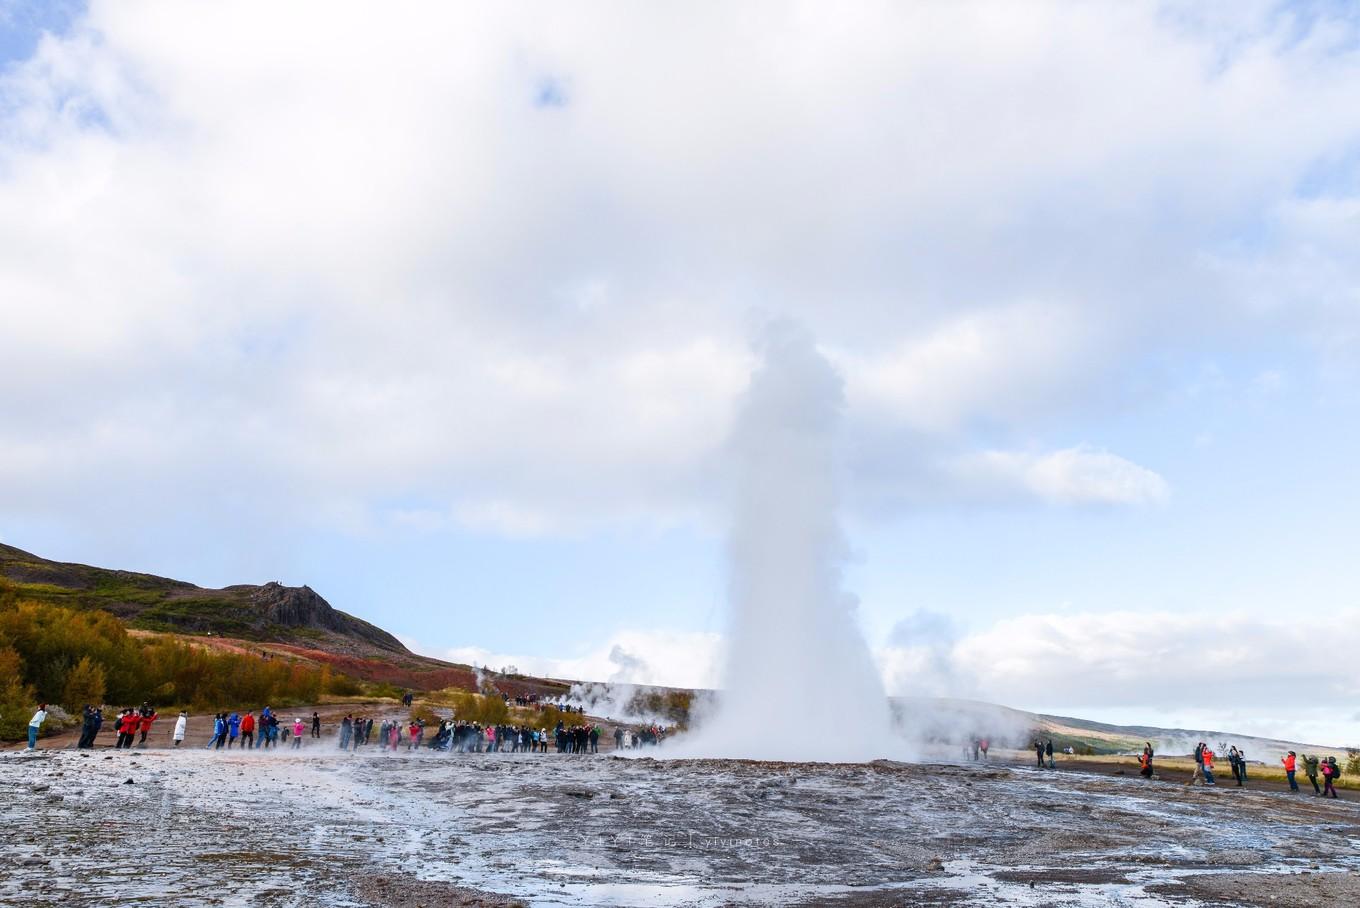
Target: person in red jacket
<point x="1289" y="764"/>
<point x="248" y="731"/>
<point x="144" y="724"/>
<point x="127" y="728"/>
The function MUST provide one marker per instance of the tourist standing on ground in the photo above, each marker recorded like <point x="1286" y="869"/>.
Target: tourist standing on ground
<point x="181" y="726"/>
<point x="248" y="730"/>
<point x="1145" y="761"/>
<point x="298" y="729"/>
<point x="1330" y="772"/>
<point x="219" y="731"/>
<point x="1207" y="755"/>
<point x="1310" y="769"/>
<point x="233" y="729"/>
<point x="93" y="717"/>
<point x="316" y="725"/>
<point x="1289" y="761"/>
<point x="346" y="724"/>
<point x="1234" y="762"/>
<point x="130" y="722"/>
<point x="144" y="721"/>
<point x="35" y="724"/>
<point x="1039" y="753"/>
<point x="1048" y="752"/>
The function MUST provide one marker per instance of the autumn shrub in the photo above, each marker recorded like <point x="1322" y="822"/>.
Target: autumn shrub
<point x="74" y="657"/>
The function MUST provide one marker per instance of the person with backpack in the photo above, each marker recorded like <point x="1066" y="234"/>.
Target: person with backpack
<point x="1330" y="773"/>
<point x="1310" y="769"/>
<point x="1235" y="762"/>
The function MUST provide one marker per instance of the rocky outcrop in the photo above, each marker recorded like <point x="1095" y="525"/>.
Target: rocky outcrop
<point x="301" y="606"/>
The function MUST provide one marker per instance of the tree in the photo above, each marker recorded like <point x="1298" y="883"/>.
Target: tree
<point x="16" y="697"/>
<point x="84" y="685"/>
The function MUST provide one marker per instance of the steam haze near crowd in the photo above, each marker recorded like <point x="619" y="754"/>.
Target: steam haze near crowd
<point x="793" y="639"/>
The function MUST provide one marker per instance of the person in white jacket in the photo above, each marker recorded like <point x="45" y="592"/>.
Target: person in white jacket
<point x="34" y="724"/>
<point x="180" y="724"/>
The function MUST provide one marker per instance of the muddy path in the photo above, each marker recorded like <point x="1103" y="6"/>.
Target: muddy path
<point x="321" y="827"/>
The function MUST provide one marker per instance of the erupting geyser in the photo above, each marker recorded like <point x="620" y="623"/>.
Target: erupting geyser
<point x="800" y="683"/>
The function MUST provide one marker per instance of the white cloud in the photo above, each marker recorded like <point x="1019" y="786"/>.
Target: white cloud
<point x="1213" y="669"/>
<point x="346" y="259"/>
<point x="1079" y="475"/>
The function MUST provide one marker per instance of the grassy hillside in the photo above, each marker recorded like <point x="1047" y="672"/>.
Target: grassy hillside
<point x="271" y="612"/>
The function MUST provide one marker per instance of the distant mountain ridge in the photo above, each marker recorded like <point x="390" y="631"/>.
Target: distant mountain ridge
<point x="267" y="612"/>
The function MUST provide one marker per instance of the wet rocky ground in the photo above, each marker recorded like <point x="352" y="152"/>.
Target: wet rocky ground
<point x="322" y="828"/>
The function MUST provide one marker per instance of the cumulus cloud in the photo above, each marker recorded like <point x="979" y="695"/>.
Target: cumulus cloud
<point x="503" y="261"/>
<point x="1079" y="475"/>
<point x="1196" y="670"/>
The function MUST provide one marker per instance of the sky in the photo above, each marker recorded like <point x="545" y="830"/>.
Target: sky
<point x="447" y="315"/>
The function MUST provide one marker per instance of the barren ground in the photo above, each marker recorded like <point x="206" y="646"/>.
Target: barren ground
<point x="320" y="827"/>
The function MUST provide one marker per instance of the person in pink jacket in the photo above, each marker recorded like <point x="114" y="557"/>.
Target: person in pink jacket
<point x="298" y="729"/>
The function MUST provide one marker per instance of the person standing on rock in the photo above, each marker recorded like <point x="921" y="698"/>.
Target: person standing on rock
<point x="35" y="724"/>
<point x="181" y="725"/>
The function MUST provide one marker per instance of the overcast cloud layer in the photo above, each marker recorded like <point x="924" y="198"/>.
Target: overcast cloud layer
<point x="320" y="271"/>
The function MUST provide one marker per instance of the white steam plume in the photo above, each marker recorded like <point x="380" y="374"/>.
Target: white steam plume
<point x="795" y="648"/>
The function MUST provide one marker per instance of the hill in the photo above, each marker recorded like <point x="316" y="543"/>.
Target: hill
<point x="271" y="621"/>
<point x="268" y="612"/>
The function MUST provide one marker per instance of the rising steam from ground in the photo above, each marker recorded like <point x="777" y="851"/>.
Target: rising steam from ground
<point x="795" y="649"/>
